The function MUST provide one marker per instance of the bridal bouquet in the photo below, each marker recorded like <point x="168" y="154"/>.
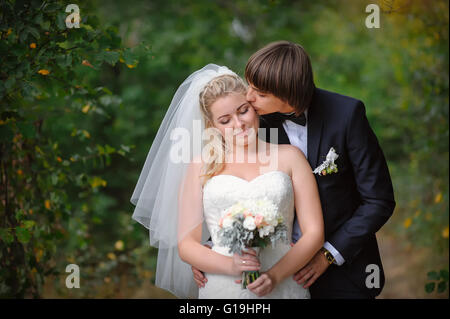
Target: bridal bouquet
<point x="251" y="224"/>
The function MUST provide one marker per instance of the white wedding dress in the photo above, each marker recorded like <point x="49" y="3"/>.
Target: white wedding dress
<point x="221" y="192"/>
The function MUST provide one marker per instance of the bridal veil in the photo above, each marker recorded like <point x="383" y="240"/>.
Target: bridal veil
<point x="156" y="195"/>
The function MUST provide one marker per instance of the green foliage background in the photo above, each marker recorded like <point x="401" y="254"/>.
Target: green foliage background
<point x="73" y="141"/>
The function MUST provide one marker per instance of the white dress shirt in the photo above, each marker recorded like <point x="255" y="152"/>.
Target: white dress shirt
<point x="298" y="136"/>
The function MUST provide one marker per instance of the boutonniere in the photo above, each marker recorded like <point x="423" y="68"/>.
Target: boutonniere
<point x="328" y="166"/>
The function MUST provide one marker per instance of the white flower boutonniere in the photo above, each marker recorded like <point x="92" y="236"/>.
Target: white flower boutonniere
<point x="328" y="166"/>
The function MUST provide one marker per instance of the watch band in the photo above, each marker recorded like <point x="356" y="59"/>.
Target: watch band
<point x="328" y="255"/>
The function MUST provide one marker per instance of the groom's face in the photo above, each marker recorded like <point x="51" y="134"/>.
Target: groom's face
<point x="265" y="103"/>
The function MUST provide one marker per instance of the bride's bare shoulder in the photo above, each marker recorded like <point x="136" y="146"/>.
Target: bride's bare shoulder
<point x="290" y="151"/>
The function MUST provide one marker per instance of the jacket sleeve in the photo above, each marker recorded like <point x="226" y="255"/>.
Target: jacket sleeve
<point x="373" y="183"/>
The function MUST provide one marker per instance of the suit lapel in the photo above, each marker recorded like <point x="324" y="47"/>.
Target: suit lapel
<point x="315" y="128"/>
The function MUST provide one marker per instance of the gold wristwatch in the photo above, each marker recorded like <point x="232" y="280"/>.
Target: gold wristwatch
<point x="328" y="255"/>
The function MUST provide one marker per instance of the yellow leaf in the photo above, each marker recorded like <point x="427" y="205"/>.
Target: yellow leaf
<point x="121" y="60"/>
<point x="86" y="134"/>
<point x="47" y="204"/>
<point x="407" y="222"/>
<point x="19" y="172"/>
<point x="44" y="72"/>
<point x="33" y="45"/>
<point x="131" y="66"/>
<point x="119" y="245"/>
<point x="59" y="159"/>
<point x="445" y="232"/>
<point x="9" y="32"/>
<point x="85" y="108"/>
<point x="111" y="256"/>
<point x="39" y="255"/>
<point x="72" y="159"/>
<point x="97" y="181"/>
<point x="438" y="198"/>
<point x="107" y="280"/>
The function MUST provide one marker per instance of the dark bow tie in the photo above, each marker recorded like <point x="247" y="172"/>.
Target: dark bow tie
<point x="301" y="119"/>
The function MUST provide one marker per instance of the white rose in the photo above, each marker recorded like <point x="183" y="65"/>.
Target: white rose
<point x="227" y="222"/>
<point x="249" y="223"/>
<point x="265" y="231"/>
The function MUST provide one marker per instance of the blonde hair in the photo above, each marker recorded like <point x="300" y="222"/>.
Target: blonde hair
<point x="215" y="89"/>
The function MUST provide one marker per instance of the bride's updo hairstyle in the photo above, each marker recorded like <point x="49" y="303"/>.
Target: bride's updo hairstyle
<point x="215" y="89"/>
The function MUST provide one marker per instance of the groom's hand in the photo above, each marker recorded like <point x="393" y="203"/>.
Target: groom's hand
<point x="313" y="270"/>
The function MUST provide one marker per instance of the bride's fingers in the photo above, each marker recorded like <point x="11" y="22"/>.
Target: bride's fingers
<point x="250" y="251"/>
<point x="248" y="257"/>
<point x="258" y="282"/>
<point x="260" y="286"/>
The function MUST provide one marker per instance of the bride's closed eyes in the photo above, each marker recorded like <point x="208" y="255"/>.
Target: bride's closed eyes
<point x="242" y="110"/>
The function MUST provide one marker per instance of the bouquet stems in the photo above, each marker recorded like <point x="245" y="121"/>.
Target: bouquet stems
<point x="250" y="276"/>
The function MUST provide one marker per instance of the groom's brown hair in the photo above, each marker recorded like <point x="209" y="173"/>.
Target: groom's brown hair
<point x="283" y="69"/>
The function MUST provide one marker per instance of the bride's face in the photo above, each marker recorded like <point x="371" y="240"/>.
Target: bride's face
<point x="235" y="118"/>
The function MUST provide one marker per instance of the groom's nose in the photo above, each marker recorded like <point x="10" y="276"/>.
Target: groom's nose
<point x="250" y="95"/>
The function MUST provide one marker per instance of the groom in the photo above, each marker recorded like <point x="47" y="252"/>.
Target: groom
<point x="358" y="199"/>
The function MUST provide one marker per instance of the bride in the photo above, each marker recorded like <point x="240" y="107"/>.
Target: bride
<point x="223" y="160"/>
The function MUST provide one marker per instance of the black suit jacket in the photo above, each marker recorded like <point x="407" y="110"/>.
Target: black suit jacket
<point x="357" y="200"/>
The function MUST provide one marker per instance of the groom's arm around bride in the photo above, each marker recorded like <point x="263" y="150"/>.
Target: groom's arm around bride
<point x="356" y="195"/>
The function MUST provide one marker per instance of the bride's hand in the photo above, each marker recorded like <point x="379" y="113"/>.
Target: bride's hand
<point x="248" y="261"/>
<point x="263" y="285"/>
